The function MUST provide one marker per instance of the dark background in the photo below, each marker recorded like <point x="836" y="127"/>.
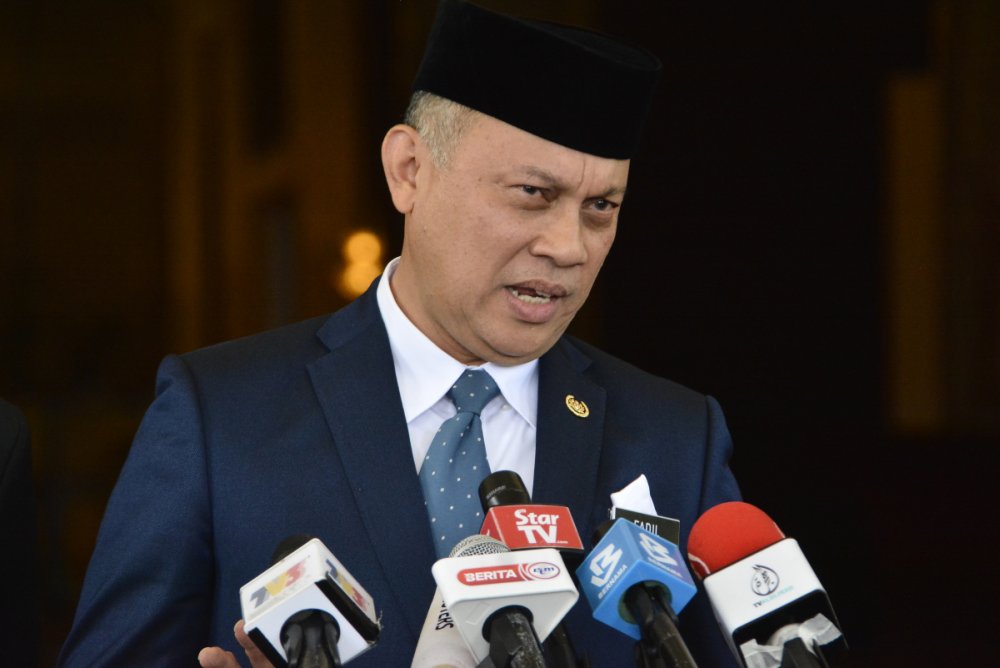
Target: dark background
<point x="811" y="236"/>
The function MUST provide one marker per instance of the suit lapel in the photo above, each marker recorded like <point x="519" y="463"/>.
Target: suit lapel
<point x="356" y="384"/>
<point x="568" y="447"/>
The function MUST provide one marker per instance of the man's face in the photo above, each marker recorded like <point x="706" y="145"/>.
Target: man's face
<point x="502" y="246"/>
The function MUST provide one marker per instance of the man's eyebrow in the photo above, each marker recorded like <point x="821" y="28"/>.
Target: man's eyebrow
<point x="610" y="192"/>
<point x="543" y="175"/>
<point x="552" y="181"/>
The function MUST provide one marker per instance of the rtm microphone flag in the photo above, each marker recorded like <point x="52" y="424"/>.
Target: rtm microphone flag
<point x="762" y="589"/>
<point x="310" y="578"/>
<point x="627" y="555"/>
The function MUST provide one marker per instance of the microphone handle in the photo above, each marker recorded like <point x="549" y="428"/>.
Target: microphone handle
<point x="314" y="655"/>
<point x="656" y="624"/>
<point x="311" y="638"/>
<point x="513" y="643"/>
<point x="559" y="650"/>
<point x="316" y="658"/>
<point x="648" y="657"/>
<point x="291" y="640"/>
<point x="796" y="655"/>
<point x="331" y="636"/>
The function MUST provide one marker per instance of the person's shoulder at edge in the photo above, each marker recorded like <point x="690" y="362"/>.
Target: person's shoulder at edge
<point x="19" y="632"/>
<point x="11" y="415"/>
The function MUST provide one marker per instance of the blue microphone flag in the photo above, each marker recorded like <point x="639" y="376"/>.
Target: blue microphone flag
<point x="628" y="555"/>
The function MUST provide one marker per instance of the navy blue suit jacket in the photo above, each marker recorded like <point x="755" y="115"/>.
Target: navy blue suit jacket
<point x="301" y="430"/>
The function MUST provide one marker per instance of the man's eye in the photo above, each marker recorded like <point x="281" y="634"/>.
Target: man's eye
<point x="605" y="205"/>
<point x="530" y="190"/>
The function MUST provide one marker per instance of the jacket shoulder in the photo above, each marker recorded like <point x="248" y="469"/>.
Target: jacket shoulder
<point x="271" y="347"/>
<point x="288" y="346"/>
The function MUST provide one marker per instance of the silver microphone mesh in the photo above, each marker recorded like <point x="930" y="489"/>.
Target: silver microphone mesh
<point x="478" y="544"/>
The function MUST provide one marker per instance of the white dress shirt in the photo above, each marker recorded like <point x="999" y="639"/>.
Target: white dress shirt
<point x="425" y="373"/>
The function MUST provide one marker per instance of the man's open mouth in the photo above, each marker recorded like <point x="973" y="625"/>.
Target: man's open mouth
<point x="529" y="296"/>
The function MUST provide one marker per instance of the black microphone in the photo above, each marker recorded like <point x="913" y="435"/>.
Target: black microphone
<point x="503" y="489"/>
<point x="289" y="545"/>
<point x="306" y="611"/>
<point x="309" y="637"/>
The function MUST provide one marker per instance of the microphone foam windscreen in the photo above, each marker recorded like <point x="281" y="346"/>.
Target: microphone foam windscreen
<point x="503" y="488"/>
<point x="727" y="533"/>
<point x="477" y="544"/>
<point x="289" y="545"/>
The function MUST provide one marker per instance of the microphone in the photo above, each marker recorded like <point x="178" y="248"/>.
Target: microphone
<point x="637" y="582"/>
<point x="769" y="602"/>
<point x="306" y="610"/>
<point x="512" y="519"/>
<point x="504" y="602"/>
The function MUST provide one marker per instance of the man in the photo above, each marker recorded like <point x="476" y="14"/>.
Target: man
<point x="510" y="174"/>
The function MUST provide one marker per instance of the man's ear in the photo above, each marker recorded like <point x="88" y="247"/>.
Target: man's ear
<point x="400" y="163"/>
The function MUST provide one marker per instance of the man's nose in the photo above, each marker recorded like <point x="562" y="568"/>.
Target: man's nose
<point x="561" y="238"/>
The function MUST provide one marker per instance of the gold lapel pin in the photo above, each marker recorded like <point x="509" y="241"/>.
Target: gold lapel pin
<point x="576" y="407"/>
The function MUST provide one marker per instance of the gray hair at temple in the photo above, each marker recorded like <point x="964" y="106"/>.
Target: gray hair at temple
<point x="439" y="122"/>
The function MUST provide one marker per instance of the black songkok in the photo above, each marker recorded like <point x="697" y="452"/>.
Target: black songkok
<point x="571" y="86"/>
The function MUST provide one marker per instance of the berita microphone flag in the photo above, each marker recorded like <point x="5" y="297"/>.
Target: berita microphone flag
<point x="492" y="580"/>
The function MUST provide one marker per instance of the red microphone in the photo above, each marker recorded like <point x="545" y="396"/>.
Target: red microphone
<point x="765" y="595"/>
<point x="728" y="532"/>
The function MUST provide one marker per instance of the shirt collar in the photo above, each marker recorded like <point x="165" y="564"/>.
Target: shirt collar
<point x="425" y="373"/>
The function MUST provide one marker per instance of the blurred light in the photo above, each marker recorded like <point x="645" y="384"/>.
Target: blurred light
<point x="363" y="247"/>
<point x="362" y="253"/>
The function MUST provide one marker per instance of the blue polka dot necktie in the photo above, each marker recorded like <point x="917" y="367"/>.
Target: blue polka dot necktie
<point x="456" y="463"/>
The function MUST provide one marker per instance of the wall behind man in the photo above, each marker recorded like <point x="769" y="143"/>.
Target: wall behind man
<point x="82" y="232"/>
<point x="173" y="173"/>
<point x="812" y="223"/>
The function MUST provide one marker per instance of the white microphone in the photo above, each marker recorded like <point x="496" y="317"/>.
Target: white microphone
<point x="767" y="598"/>
<point x="440" y="644"/>
<point x="309" y="583"/>
<point x="515" y="599"/>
